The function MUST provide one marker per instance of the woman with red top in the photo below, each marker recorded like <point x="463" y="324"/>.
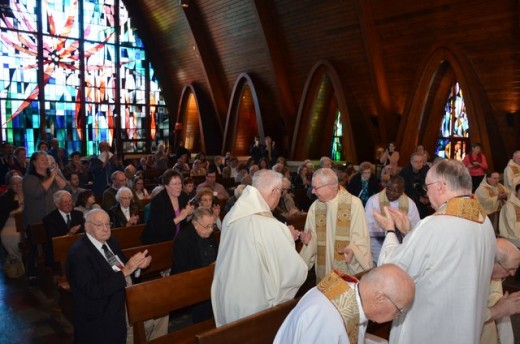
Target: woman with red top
<point x="476" y="164"/>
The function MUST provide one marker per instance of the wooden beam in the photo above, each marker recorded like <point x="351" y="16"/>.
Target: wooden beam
<point x="269" y="28"/>
<point x="208" y="57"/>
<point x="374" y="58"/>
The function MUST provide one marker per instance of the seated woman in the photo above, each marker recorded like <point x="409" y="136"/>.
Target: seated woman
<point x="139" y="189"/>
<point x="286" y="206"/>
<point x="86" y="202"/>
<point x="300" y="180"/>
<point x="203" y="161"/>
<point x="123" y="213"/>
<point x="11" y="203"/>
<point x="195" y="247"/>
<point x="205" y="199"/>
<point x="365" y="183"/>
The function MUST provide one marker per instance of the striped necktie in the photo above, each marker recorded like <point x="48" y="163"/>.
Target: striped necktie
<point x="112" y="260"/>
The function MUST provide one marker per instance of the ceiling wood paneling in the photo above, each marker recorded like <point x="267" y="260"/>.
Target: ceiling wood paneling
<point x="378" y="52"/>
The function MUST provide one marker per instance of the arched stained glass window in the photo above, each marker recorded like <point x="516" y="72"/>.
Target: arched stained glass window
<point x="454" y="130"/>
<point x="337" y="146"/>
<point x="76" y="70"/>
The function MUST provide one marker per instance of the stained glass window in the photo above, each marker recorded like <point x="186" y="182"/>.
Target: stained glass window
<point x="337" y="145"/>
<point x="77" y="69"/>
<point x="454" y="130"/>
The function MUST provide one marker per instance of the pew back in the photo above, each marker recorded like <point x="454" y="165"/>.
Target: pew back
<point x="260" y="327"/>
<point x="159" y="297"/>
<point x="162" y="257"/>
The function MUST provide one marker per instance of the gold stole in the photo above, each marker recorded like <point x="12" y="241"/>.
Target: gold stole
<point x="342" y="237"/>
<point x="515" y="170"/>
<point x="384" y="202"/>
<point x="493" y="193"/>
<point x="463" y="207"/>
<point x="343" y="297"/>
<point x="517" y="211"/>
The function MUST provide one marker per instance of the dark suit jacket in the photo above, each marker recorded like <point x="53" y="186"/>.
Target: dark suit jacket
<point x="55" y="226"/>
<point x="117" y="217"/>
<point x="98" y="292"/>
<point x="161" y="227"/>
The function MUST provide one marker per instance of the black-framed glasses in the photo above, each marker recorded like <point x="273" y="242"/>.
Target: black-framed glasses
<point x="399" y="311"/>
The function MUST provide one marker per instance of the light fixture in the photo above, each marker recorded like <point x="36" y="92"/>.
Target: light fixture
<point x="184" y="3"/>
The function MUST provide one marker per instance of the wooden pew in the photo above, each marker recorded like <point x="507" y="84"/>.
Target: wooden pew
<point x="159" y="297"/>
<point x="260" y="327"/>
<point x="128" y="236"/>
<point x="162" y="258"/>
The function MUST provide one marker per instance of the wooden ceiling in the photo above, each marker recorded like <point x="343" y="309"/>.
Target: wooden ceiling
<point x="379" y="50"/>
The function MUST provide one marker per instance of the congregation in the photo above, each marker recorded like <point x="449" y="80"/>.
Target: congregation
<point x="415" y="244"/>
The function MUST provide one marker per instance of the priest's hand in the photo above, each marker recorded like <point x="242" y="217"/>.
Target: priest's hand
<point x="294" y="232"/>
<point x="348" y="253"/>
<point x="305" y="237"/>
<point x="385" y="222"/>
<point x="401" y="220"/>
<point x="508" y="305"/>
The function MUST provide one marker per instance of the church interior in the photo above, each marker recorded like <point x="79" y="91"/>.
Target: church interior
<point x="340" y="79"/>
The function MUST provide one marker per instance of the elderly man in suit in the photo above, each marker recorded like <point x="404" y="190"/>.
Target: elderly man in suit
<point x="64" y="220"/>
<point x="98" y="274"/>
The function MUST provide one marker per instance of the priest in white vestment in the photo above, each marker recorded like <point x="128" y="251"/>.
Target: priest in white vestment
<point x="498" y="328"/>
<point x="257" y="265"/>
<point x="492" y="195"/>
<point x="393" y="196"/>
<point x="337" y="310"/>
<point x="509" y="223"/>
<point x="449" y="255"/>
<point x="512" y="172"/>
<point x="337" y="229"/>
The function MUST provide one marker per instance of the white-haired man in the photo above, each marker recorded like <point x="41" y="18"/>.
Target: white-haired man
<point x="257" y="265"/>
<point x="449" y="255"/>
<point x="337" y="228"/>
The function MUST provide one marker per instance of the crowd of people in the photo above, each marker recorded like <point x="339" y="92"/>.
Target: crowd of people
<point x="424" y="234"/>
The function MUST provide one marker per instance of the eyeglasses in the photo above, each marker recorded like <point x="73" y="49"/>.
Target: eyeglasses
<point x="208" y="227"/>
<point x="175" y="184"/>
<point x="281" y="190"/>
<point x="316" y="188"/>
<point x="511" y="271"/>
<point x="425" y="186"/>
<point x="100" y="224"/>
<point x="399" y="311"/>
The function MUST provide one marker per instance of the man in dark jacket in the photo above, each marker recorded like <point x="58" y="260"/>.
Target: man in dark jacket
<point x="98" y="273"/>
<point x="414" y="175"/>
